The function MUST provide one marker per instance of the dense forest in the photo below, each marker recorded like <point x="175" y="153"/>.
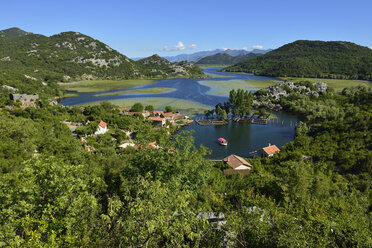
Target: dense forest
<point x="74" y="56"/>
<point x="54" y="193"/>
<point x="315" y="59"/>
<point x="226" y="59"/>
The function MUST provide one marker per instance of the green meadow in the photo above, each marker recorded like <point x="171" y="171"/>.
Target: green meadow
<point x="222" y="88"/>
<point x="183" y="106"/>
<point x="138" y="91"/>
<point x="104" y="85"/>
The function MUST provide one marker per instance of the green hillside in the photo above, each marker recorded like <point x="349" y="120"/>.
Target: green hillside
<point x="316" y="59"/>
<point x="156" y="66"/>
<point x="225" y="59"/>
<point x="73" y="56"/>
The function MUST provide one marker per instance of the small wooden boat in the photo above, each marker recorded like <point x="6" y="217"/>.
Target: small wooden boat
<point x="222" y="141"/>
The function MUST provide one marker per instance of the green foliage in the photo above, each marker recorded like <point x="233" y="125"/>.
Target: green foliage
<point x="168" y="109"/>
<point x="149" y="108"/>
<point x="314" y="59"/>
<point x="314" y="193"/>
<point x="137" y="107"/>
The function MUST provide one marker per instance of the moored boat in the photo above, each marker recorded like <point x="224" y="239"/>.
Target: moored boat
<point x="222" y="141"/>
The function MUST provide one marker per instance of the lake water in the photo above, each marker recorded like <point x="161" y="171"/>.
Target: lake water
<point x="185" y="89"/>
<point x="242" y="138"/>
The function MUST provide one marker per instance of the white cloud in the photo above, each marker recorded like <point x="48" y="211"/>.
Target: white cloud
<point x="370" y="47"/>
<point x="253" y="47"/>
<point x="257" y="47"/>
<point x="192" y="46"/>
<point x="179" y="47"/>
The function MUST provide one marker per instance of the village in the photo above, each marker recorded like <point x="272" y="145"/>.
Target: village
<point x="159" y="119"/>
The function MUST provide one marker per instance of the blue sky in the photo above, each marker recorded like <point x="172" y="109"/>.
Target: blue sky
<point x="141" y="28"/>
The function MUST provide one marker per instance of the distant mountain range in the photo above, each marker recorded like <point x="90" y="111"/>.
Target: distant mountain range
<point x="225" y="59"/>
<point x="316" y="59"/>
<point x="74" y="56"/>
<point x="194" y="57"/>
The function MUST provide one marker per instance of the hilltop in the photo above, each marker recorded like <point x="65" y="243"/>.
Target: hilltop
<point x="225" y="59"/>
<point x="155" y="65"/>
<point x="74" y="56"/>
<point x="317" y="59"/>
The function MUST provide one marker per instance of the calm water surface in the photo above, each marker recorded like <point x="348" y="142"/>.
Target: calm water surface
<point x="242" y="138"/>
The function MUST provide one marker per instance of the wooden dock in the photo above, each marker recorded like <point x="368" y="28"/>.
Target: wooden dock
<point x="212" y="122"/>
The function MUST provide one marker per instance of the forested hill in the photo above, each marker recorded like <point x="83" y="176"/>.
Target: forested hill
<point x="68" y="56"/>
<point x="303" y="58"/>
<point x="225" y="59"/>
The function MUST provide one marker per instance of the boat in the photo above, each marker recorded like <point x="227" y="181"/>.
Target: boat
<point x="222" y="141"/>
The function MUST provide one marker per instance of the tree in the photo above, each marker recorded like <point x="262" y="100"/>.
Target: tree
<point x="168" y="109"/>
<point x="137" y="107"/>
<point x="149" y="108"/>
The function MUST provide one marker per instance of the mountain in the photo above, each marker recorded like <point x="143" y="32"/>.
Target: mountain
<point x="318" y="59"/>
<point x="13" y="32"/>
<point x="155" y="65"/>
<point x="225" y="59"/>
<point x="199" y="55"/>
<point x="70" y="56"/>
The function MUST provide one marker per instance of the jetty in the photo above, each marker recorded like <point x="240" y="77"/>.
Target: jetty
<point x="256" y="118"/>
<point x="211" y="122"/>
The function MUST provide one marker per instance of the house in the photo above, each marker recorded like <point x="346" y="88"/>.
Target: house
<point x="238" y="165"/>
<point x="157" y="121"/>
<point x="23" y="97"/>
<point x="144" y="113"/>
<point x="102" y="128"/>
<point x="268" y="151"/>
<point x="157" y="113"/>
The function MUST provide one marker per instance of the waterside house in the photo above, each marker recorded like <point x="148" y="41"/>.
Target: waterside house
<point x="238" y="165"/>
<point x="102" y="128"/>
<point x="158" y="121"/>
<point x="268" y="151"/>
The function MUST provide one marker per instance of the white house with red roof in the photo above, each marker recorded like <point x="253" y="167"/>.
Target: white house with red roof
<point x="102" y="128"/>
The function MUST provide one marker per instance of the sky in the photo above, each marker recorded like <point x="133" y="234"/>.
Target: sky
<point x="139" y="28"/>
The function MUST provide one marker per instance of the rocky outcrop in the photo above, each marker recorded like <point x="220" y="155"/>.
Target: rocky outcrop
<point x="271" y="95"/>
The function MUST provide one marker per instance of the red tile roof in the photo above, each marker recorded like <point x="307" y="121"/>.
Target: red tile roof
<point x="102" y="124"/>
<point x="156" y="118"/>
<point x="158" y="112"/>
<point x="271" y="149"/>
<point x="235" y="161"/>
<point x="170" y="114"/>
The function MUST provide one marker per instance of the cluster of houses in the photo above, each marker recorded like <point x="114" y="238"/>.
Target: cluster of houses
<point x="241" y="166"/>
<point x="160" y="118"/>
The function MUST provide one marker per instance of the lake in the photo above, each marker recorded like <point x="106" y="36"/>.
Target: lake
<point x="242" y="138"/>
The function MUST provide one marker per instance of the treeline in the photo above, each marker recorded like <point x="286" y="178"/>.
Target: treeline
<point x="315" y="59"/>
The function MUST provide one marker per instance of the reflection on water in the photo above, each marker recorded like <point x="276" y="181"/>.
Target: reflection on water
<point x="244" y="138"/>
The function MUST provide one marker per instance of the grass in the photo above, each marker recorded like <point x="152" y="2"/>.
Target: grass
<point x="104" y="85"/>
<point x="337" y="84"/>
<point x="137" y="91"/>
<point x="70" y="95"/>
<point x="222" y="88"/>
<point x="203" y="66"/>
<point x="184" y="106"/>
